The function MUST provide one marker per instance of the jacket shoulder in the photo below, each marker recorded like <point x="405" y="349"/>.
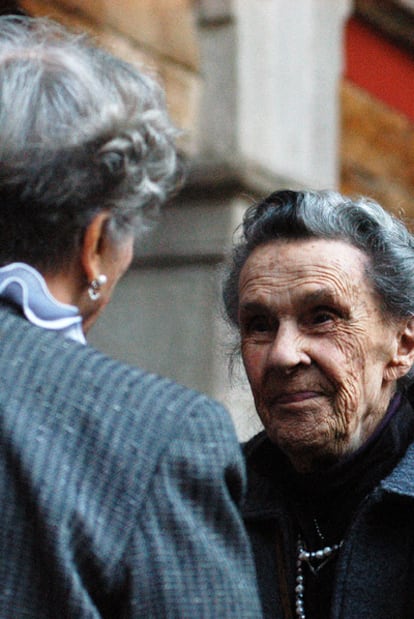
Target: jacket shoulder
<point x="98" y="428"/>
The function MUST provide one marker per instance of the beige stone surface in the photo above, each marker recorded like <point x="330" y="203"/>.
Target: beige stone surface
<point x="182" y="84"/>
<point x="183" y="90"/>
<point x="166" y="26"/>
<point x="377" y="151"/>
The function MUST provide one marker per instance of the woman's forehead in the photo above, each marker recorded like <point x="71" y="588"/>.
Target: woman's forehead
<point x="291" y="255"/>
<point x="318" y="264"/>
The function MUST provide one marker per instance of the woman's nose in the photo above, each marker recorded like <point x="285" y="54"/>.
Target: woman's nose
<point x="288" y="348"/>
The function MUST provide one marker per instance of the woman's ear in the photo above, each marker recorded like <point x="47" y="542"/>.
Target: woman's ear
<point x="403" y="359"/>
<point x="92" y="246"/>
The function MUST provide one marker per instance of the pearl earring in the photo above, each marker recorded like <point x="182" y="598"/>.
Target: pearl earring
<point x="95" y="286"/>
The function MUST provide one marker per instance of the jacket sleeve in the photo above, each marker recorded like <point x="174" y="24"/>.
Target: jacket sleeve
<point x="189" y="555"/>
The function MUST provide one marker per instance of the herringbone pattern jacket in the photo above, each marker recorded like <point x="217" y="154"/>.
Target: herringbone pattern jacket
<point x="119" y="490"/>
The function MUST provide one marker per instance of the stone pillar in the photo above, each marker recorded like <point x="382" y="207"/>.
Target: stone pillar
<point x="289" y="65"/>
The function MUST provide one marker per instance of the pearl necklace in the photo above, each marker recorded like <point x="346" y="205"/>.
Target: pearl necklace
<point x="322" y="556"/>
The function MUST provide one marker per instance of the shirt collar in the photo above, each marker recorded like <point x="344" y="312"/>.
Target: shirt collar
<point x="25" y="286"/>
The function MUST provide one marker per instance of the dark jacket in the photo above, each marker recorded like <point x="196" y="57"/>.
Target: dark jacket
<point x="119" y="490"/>
<point x="374" y="576"/>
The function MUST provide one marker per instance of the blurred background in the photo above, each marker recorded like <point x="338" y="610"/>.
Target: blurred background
<point x="270" y="94"/>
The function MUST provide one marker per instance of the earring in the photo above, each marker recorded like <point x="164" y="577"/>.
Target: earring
<point x="95" y="286"/>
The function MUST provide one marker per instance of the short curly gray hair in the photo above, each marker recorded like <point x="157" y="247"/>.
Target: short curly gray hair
<point x="80" y="131"/>
<point x="361" y="222"/>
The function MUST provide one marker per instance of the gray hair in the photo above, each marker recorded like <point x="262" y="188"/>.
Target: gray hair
<point x="361" y="222"/>
<point x="80" y="132"/>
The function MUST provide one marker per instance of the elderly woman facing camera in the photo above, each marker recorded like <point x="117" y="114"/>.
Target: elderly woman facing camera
<point x="321" y="288"/>
<point x="120" y="490"/>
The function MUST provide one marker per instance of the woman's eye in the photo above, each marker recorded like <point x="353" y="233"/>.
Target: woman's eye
<point x="321" y="317"/>
<point x="257" y="324"/>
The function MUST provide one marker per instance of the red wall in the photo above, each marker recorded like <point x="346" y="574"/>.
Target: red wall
<point x="378" y="66"/>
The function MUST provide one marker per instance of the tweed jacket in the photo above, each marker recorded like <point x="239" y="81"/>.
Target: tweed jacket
<point x="374" y="576"/>
<point x="119" y="489"/>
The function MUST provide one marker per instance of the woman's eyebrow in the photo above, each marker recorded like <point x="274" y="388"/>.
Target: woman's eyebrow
<point x="253" y="306"/>
<point x="322" y="295"/>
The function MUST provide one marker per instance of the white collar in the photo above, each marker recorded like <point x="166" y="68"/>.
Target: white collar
<point x="26" y="287"/>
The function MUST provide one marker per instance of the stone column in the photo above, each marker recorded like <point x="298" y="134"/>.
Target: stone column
<point x="289" y="64"/>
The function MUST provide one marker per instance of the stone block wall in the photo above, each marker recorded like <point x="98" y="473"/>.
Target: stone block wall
<point x="377" y="151"/>
<point x="157" y="35"/>
<point x="377" y="106"/>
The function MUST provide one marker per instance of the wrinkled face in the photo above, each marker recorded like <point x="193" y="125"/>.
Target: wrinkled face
<point x="318" y="353"/>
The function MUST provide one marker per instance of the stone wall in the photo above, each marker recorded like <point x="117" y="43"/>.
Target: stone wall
<point x="377" y="151"/>
<point x="377" y="107"/>
<point x="157" y="35"/>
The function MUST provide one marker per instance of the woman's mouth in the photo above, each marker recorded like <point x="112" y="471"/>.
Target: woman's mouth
<point x="295" y="396"/>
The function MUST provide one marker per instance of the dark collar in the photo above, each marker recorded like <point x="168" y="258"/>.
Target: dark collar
<point x="389" y="451"/>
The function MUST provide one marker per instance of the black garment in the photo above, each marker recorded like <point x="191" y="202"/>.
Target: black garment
<point x="281" y="503"/>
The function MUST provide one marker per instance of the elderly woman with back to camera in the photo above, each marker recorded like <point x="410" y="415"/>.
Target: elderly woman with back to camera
<point x="321" y="290"/>
<point x="120" y="490"/>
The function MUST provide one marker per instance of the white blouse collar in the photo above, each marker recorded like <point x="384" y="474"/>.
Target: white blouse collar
<point x="26" y="287"/>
